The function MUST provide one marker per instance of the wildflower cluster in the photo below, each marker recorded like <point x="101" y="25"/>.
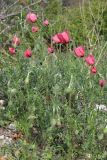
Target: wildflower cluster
<point x="61" y="38"/>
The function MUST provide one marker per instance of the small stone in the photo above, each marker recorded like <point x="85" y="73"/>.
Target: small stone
<point x="2" y="108"/>
<point x="12" y="126"/>
<point x="2" y="102"/>
<point x="7" y="140"/>
<point x="101" y="107"/>
<point x="2" y="137"/>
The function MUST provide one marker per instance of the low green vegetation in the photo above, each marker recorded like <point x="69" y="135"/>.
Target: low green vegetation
<point x="56" y="101"/>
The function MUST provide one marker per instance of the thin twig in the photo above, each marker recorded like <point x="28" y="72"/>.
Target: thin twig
<point x="10" y="6"/>
<point x="2" y="17"/>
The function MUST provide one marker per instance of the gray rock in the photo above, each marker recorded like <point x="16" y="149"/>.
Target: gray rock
<point x="2" y="137"/>
<point x="12" y="127"/>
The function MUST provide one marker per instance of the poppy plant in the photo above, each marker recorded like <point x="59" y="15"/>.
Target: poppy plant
<point x="61" y="38"/>
<point x="28" y="53"/>
<point x="50" y="50"/>
<point x="102" y="82"/>
<point x="12" y="50"/>
<point x="93" y="70"/>
<point x="16" y="40"/>
<point x="31" y="17"/>
<point x="79" y="51"/>
<point x="35" y="29"/>
<point x="46" y="22"/>
<point x="90" y="60"/>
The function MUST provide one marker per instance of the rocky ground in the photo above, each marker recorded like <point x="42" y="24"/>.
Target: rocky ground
<point x="9" y="135"/>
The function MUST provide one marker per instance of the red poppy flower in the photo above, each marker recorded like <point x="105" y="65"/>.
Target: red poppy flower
<point x="28" y="53"/>
<point x="90" y="60"/>
<point x="79" y="51"/>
